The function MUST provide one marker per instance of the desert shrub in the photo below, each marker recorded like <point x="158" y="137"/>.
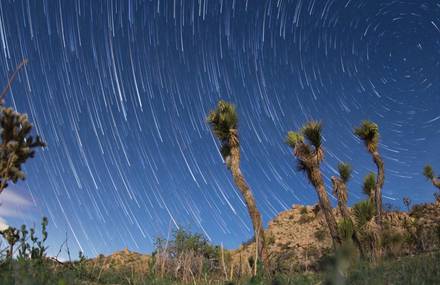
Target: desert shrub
<point x="187" y="256"/>
<point x="345" y="229"/>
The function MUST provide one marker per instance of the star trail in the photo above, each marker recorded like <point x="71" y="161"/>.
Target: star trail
<point x="120" y="91"/>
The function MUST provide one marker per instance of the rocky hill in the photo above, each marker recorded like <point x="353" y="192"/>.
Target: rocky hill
<point x="298" y="238"/>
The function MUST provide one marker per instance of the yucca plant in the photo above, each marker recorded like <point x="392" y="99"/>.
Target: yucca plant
<point x="368" y="186"/>
<point x="368" y="132"/>
<point x="340" y="191"/>
<point x="369" y="232"/>
<point x="224" y="124"/>
<point x="363" y="212"/>
<point x="428" y="172"/>
<point x="346" y="229"/>
<point x="307" y="148"/>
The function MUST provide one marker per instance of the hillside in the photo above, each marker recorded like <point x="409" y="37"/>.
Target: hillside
<point x="298" y="239"/>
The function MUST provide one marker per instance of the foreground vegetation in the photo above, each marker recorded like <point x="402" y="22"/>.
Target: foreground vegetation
<point x="188" y="258"/>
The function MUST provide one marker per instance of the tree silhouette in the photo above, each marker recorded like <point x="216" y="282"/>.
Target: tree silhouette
<point x="307" y="148"/>
<point x="368" y="132"/>
<point x="17" y="143"/>
<point x="11" y="235"/>
<point x="224" y="124"/>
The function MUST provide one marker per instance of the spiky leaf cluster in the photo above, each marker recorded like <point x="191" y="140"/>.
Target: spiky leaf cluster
<point x="345" y="171"/>
<point x="17" y="145"/>
<point x="312" y="132"/>
<point x="428" y="172"/>
<point x="293" y="138"/>
<point x="363" y="212"/>
<point x="346" y="229"/>
<point x="222" y="120"/>
<point x="369" y="183"/>
<point x="305" y="152"/>
<point x="11" y="235"/>
<point x="369" y="133"/>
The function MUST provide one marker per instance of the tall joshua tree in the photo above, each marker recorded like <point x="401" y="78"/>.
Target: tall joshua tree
<point x="369" y="133"/>
<point x="224" y="124"/>
<point x="17" y="145"/>
<point x="340" y="191"/>
<point x="428" y="172"/>
<point x="307" y="148"/>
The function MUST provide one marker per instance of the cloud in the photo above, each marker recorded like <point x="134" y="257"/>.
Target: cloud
<point x="14" y="204"/>
<point x="3" y="224"/>
<point x="11" y="196"/>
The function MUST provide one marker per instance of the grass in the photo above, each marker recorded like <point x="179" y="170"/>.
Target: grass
<point x="421" y="270"/>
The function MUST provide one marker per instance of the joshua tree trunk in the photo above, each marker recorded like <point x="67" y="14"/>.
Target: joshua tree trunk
<point x="248" y="198"/>
<point x="341" y="194"/>
<point x="379" y="184"/>
<point x="316" y="179"/>
<point x="10" y="251"/>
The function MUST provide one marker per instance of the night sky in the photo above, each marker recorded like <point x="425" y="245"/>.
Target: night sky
<point x="120" y="91"/>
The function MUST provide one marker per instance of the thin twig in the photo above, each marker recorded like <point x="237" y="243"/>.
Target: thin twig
<point x="11" y="79"/>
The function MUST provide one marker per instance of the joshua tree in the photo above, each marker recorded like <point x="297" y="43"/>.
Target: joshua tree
<point x="369" y="133"/>
<point x="407" y="202"/>
<point x="340" y="191"/>
<point x="17" y="145"/>
<point x="11" y="235"/>
<point x="309" y="156"/>
<point x="224" y="124"/>
<point x="429" y="174"/>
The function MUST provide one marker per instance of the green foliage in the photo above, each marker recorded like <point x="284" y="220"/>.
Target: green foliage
<point x="345" y="171"/>
<point x="345" y="229"/>
<point x="369" y="183"/>
<point x="200" y="255"/>
<point x="184" y="241"/>
<point x="363" y="212"/>
<point x="312" y="132"/>
<point x="223" y="119"/>
<point x="293" y="138"/>
<point x="423" y="269"/>
<point x="428" y="172"/>
<point x="369" y="133"/>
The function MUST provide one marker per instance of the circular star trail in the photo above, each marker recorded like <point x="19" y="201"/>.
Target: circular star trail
<point x="120" y="91"/>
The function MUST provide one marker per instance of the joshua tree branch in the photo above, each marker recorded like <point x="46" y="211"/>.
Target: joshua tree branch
<point x="11" y="80"/>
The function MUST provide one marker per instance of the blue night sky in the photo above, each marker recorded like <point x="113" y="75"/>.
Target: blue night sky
<point x="120" y="90"/>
